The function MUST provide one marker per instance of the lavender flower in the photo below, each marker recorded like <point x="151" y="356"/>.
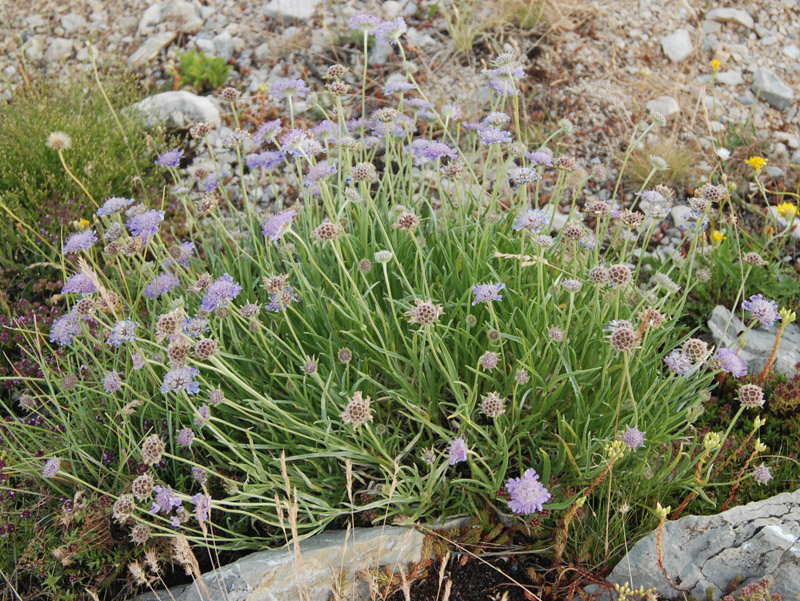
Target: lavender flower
<point x="527" y="493"/>
<point x="389" y="32"/>
<point x="211" y="183"/>
<point x="179" y="255"/>
<point x="679" y="362"/>
<point x="185" y="437"/>
<point x="451" y="111"/>
<point x="731" y="363"/>
<point x="170" y="158"/>
<point x="112" y="382"/>
<point x="123" y="331"/>
<point x="166" y="499"/>
<point x="199" y="475"/>
<point x="319" y="171"/>
<point x="504" y="87"/>
<point x="426" y="150"/>
<point x="203" y="415"/>
<point x="485" y="293"/>
<point x="267" y="130"/>
<point x="520" y="176"/>
<point x="181" y="378"/>
<point x="765" y="311"/>
<point x="138" y="361"/>
<point x="762" y="475"/>
<point x="277" y="225"/>
<point x="201" y="507"/>
<point x="493" y="135"/>
<point x="633" y="438"/>
<point x="365" y="23"/>
<point x="269" y="159"/>
<point x="51" y="467"/>
<point x="113" y="204"/>
<point x="298" y="143"/>
<point x="145" y="224"/>
<point x="289" y="88"/>
<point x="194" y="326"/>
<point x="398" y="86"/>
<point x="458" y="451"/>
<point x="540" y="157"/>
<point x="160" y="285"/>
<point x="532" y="220"/>
<point x="496" y="118"/>
<point x="80" y="283"/>
<point x="281" y="299"/>
<point x="79" y="241"/>
<point x="224" y="289"/>
<point x="65" y="329"/>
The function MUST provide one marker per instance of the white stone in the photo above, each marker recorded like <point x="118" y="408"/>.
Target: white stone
<point x="768" y="86"/>
<point x="666" y="105"/>
<point x="184" y="14"/>
<point x="726" y="15"/>
<point x="60" y="49"/>
<point x="730" y="78"/>
<point x="262" y="52"/>
<point x="150" y="49"/>
<point x="72" y="22"/>
<point x="677" y="46"/>
<point x="392" y="8"/>
<point x="758" y="341"/>
<point x="150" y="19"/>
<point x="291" y="9"/>
<point x="682" y="217"/>
<point x="276" y="575"/>
<point x="711" y="26"/>
<point x="180" y="109"/>
<point x="223" y="43"/>
<point x="796" y="157"/>
<point x="791" y="51"/>
<point x="34" y="48"/>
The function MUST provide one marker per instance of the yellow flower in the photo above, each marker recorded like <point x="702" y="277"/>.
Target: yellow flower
<point x="786" y="210"/>
<point x="718" y="236"/>
<point x="787" y="316"/>
<point x="81" y="225"/>
<point x="715" y="65"/>
<point x="757" y="163"/>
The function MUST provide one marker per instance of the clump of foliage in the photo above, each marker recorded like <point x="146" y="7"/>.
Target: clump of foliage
<point x="35" y="189"/>
<point x="200" y="71"/>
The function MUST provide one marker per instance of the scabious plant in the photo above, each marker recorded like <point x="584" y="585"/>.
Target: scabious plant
<point x="487" y="340"/>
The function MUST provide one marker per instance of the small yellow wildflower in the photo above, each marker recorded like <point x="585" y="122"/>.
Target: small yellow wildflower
<point x="786" y="210"/>
<point x="787" y="316"/>
<point x="715" y="65"/>
<point x="757" y="163"/>
<point x="662" y="511"/>
<point x="718" y="236"/>
<point x="81" y="225"/>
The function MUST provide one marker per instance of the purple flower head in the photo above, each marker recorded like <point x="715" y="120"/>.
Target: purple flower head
<point x="171" y="158"/>
<point x="80" y="283"/>
<point x="145" y="224"/>
<point x="495" y="118"/>
<point x="201" y="507"/>
<point x="731" y="363"/>
<point x="324" y="130"/>
<point x="532" y="220"/>
<point x="51" y="467"/>
<point x="493" y="135"/>
<point x="319" y="171"/>
<point x="364" y="22"/>
<point x="678" y="362"/>
<point x="762" y="475"/>
<point x="398" y="86"/>
<point x="458" y="451"/>
<point x="123" y="331"/>
<point x="138" y="362"/>
<point x="765" y="311"/>
<point x="160" y="285"/>
<point x="527" y="493"/>
<point x="485" y="293"/>
<point x="298" y="143"/>
<point x="289" y="88"/>
<point x="504" y="87"/>
<point x="203" y="415"/>
<point x="114" y="204"/>
<point x="426" y="150"/>
<point x="389" y="32"/>
<point x="199" y="475"/>
<point x="181" y="378"/>
<point x="185" y="437"/>
<point x="521" y="176"/>
<point x="277" y="225"/>
<point x="194" y="326"/>
<point x="267" y="131"/>
<point x="186" y="252"/>
<point x="540" y="157"/>
<point x="166" y="499"/>
<point x="65" y="329"/>
<point x="654" y="196"/>
<point x="633" y="438"/>
<point x="79" y="241"/>
<point x="112" y="382"/>
<point x="269" y="159"/>
<point x="224" y="289"/>
<point x="211" y="183"/>
<point x="280" y="300"/>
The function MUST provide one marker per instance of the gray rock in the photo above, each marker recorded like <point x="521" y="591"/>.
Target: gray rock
<point x="758" y="342"/>
<point x="273" y="575"/>
<point x="709" y="43"/>
<point x="262" y="52"/>
<point x="774" y="172"/>
<point x="796" y="158"/>
<point x="769" y="87"/>
<point x="711" y="26"/>
<point x="150" y="49"/>
<point x="34" y="48"/>
<point x="666" y="105"/>
<point x="72" y="22"/>
<point x="682" y="217"/>
<point x="223" y="44"/>
<point x="730" y="78"/>
<point x="792" y="51"/>
<point x="677" y="46"/>
<point x="179" y="109"/>
<point x="60" y="49"/>
<point x="727" y="15"/>
<point x="150" y="19"/>
<point x="708" y="552"/>
<point x="184" y="14"/>
<point x="291" y="9"/>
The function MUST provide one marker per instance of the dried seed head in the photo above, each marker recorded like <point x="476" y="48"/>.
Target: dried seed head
<point x="326" y="231"/>
<point x="493" y="405"/>
<point x="489" y="360"/>
<point x="169" y="323"/>
<point x="598" y="208"/>
<point x="251" y="310"/>
<point x="619" y="275"/>
<point x="599" y="173"/>
<point x="714" y="193"/>
<point x="632" y="219"/>
<point x="407" y="222"/>
<point x="695" y="349"/>
<point x="336" y="71"/>
<point x="574" y="231"/>
<point x="206" y="348"/>
<point x="338" y="88"/>
<point x="207" y="205"/>
<point x="598" y="275"/>
<point x="229" y="94"/>
<point x="276" y="283"/>
<point x="114" y="248"/>
<point x="365" y="172"/>
<point x="385" y="114"/>
<point x="751" y="396"/>
<point x="140" y="534"/>
<point x="358" y="411"/>
<point x="69" y="382"/>
<point x="565" y="163"/>
<point x="345" y="355"/>
<point x="365" y="266"/>
<point x="58" y="140"/>
<point x="555" y="334"/>
<point x="201" y="130"/>
<point x="123" y="508"/>
<point x="623" y="336"/>
<point x="113" y="232"/>
<point x="142" y="487"/>
<point x="132" y="245"/>
<point x="85" y="306"/>
<point x="107" y="301"/>
<point x="178" y="352"/>
<point x="521" y="377"/>
<point x="652" y="318"/>
<point x="754" y="259"/>
<point x="152" y="449"/>
<point x="424" y="313"/>
<point x="452" y="171"/>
